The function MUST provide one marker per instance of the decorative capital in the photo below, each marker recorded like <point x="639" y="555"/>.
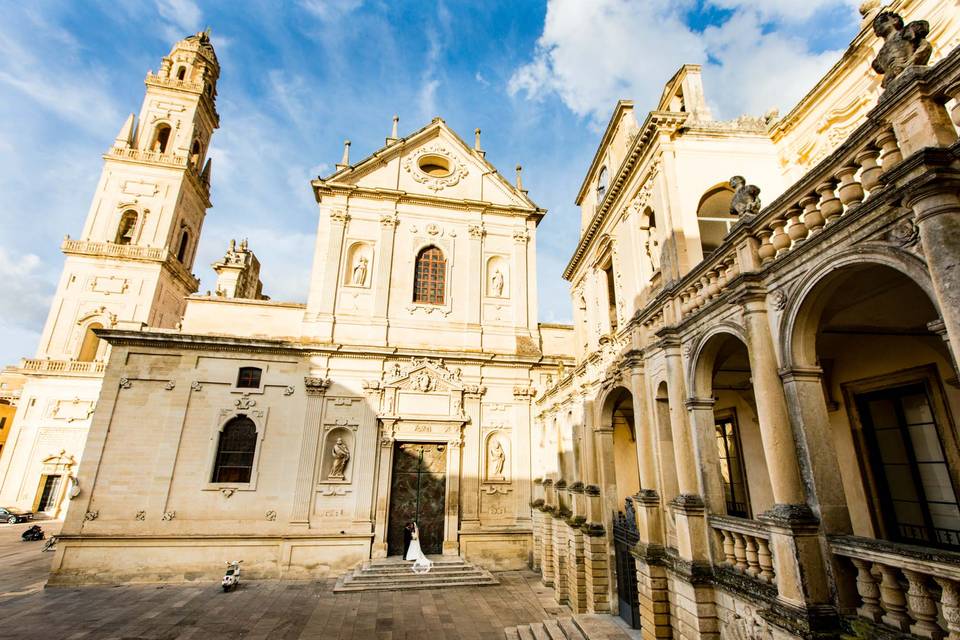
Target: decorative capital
<point x="476" y="231"/>
<point x="521" y="392"/>
<point x="521" y="236"/>
<point x="339" y="216"/>
<point x="389" y="221"/>
<point x="316" y="386"/>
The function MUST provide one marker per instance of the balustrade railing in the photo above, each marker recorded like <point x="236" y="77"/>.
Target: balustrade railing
<point x="906" y="588"/>
<point x="746" y="547"/>
<point x="89" y="247"/>
<point x="148" y="156"/>
<point x="174" y="83"/>
<point x="807" y="210"/>
<point x="62" y="366"/>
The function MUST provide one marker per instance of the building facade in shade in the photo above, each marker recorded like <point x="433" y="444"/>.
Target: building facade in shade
<point x="304" y="437"/>
<point x="759" y="437"/>
<point x="130" y="267"/>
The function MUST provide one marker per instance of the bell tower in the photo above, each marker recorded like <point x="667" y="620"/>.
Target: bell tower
<point x="132" y="262"/>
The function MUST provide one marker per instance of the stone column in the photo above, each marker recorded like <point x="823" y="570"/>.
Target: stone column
<point x="700" y="413"/>
<point x="803" y="387"/>
<point x="518" y="285"/>
<point x="596" y="554"/>
<point x="775" y="430"/>
<point x="479" y="275"/>
<point x="309" y="445"/>
<point x="472" y="452"/>
<point x="331" y="276"/>
<point x="933" y="198"/>
<point x="381" y="292"/>
<point x="451" y="524"/>
<point x="384" y="470"/>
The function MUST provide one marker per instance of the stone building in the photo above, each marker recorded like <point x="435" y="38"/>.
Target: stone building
<point x="130" y="267"/>
<point x="302" y="437"/>
<point x="758" y="439"/>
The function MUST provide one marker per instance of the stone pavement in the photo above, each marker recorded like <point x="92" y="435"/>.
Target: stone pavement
<point x="258" y="610"/>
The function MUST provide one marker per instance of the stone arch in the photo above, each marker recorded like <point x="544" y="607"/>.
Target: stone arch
<point x="616" y="413"/>
<point x="713" y="216"/>
<point x="162" y="138"/>
<point x="704" y="352"/>
<point x="798" y="323"/>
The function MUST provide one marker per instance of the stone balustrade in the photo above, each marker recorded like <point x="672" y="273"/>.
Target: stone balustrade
<point x="173" y="83"/>
<point x="905" y="588"/>
<point x="142" y="155"/>
<point x="87" y="247"/>
<point x="40" y="365"/>
<point x="746" y="547"/>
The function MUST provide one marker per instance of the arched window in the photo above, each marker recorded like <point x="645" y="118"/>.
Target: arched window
<point x="90" y="344"/>
<point x="235" y="451"/>
<point x="184" y="243"/>
<point x="430" y="277"/>
<point x="195" y="153"/>
<point x="181" y="73"/>
<point x="249" y="378"/>
<point x="714" y="217"/>
<point x="126" y="228"/>
<point x="602" y="180"/>
<point x="161" y="138"/>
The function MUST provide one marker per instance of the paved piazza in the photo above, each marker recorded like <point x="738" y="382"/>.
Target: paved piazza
<point x="262" y="609"/>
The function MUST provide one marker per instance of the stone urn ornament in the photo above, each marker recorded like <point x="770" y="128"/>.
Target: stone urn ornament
<point x="904" y="45"/>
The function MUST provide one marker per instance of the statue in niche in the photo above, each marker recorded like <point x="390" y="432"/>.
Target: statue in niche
<point x="497" y="459"/>
<point x="341" y="456"/>
<point x="903" y="46"/>
<point x="652" y="246"/>
<point x="422" y="382"/>
<point x="360" y="272"/>
<point x="746" y="197"/>
<point x="496" y="283"/>
<point x="396" y="371"/>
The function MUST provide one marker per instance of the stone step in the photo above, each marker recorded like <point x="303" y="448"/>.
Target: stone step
<point x="394" y="573"/>
<point x="581" y="627"/>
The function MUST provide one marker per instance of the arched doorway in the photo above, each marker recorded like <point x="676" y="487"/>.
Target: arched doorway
<point x="890" y="394"/>
<point x="618" y="417"/>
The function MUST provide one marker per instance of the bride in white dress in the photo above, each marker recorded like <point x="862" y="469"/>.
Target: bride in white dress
<point x="421" y="563"/>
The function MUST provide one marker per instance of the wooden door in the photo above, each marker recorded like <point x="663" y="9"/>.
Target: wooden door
<point x="417" y="490"/>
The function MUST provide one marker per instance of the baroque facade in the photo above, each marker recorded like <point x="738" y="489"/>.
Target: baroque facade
<point x="758" y="439"/>
<point x="301" y="438"/>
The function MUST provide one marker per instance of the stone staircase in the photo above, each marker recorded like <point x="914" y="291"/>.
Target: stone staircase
<point x="391" y="574"/>
<point x="579" y="627"/>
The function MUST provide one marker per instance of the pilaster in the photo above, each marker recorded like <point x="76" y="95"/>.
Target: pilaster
<point x="309" y="445"/>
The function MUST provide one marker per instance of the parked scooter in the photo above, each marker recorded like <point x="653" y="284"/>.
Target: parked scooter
<point x="33" y="533"/>
<point x="232" y="577"/>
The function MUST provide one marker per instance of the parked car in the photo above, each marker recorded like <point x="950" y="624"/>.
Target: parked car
<point x="13" y="516"/>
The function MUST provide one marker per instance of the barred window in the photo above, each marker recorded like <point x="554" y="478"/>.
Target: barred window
<point x="238" y="443"/>
<point x="430" y="276"/>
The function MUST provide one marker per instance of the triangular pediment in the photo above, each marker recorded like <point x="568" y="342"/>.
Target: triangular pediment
<point x="433" y="162"/>
<point x="425" y="375"/>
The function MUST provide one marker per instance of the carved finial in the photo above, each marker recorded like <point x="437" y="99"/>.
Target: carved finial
<point x="233" y="244"/>
<point x="904" y="45"/>
<point x="396" y="121"/>
<point x="243" y="245"/>
<point x="476" y="139"/>
<point x="519" y="177"/>
<point x="345" y="161"/>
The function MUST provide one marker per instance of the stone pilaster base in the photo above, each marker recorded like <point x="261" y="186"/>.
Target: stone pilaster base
<point x="694" y="611"/>
<point x="546" y="562"/>
<point x="597" y="572"/>
<point x="653" y="595"/>
<point x="560" y="552"/>
<point x="576" y="569"/>
<point x="537" y="540"/>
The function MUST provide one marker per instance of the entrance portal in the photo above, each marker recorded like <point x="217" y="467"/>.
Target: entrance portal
<point x="417" y="489"/>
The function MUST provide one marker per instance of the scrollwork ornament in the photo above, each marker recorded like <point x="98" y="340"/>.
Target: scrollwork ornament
<point x="270" y="515"/>
<point x="140" y="516"/>
<point x="171" y="385"/>
<point x="196" y="386"/>
<point x="125" y="383"/>
<point x="90" y="516"/>
<point x="289" y="390"/>
<point x="168" y="516"/>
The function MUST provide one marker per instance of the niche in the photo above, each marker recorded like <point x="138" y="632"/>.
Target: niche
<point x="496" y="452"/>
<point x="498" y="285"/>
<point x="337" y="456"/>
<point x="359" y="271"/>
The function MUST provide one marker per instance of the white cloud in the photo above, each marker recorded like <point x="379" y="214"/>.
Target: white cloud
<point x="25" y="283"/>
<point x="330" y="10"/>
<point x="591" y="54"/>
<point x="184" y="15"/>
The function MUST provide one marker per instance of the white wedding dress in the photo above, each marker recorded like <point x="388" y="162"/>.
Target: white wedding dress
<point x="421" y="563"/>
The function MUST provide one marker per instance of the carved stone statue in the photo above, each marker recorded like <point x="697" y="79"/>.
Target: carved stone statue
<point x="341" y="456"/>
<point x="360" y="272"/>
<point x="746" y="197"/>
<point x="497" y="459"/>
<point x="496" y="283"/>
<point x="903" y="46"/>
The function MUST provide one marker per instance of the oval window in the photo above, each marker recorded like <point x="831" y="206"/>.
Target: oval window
<point x="436" y="166"/>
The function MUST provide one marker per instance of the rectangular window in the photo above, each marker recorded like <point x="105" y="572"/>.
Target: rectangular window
<point x="49" y="493"/>
<point x="914" y="487"/>
<point x="731" y="466"/>
<point x="3" y="422"/>
<point x="249" y="378"/>
<point x="611" y="297"/>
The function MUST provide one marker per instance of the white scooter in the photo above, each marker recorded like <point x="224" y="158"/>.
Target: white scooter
<point x="232" y="577"/>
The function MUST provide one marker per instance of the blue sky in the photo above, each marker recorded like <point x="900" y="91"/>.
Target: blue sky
<point x="539" y="78"/>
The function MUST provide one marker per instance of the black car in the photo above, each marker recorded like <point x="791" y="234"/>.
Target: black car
<point x="13" y="516"/>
